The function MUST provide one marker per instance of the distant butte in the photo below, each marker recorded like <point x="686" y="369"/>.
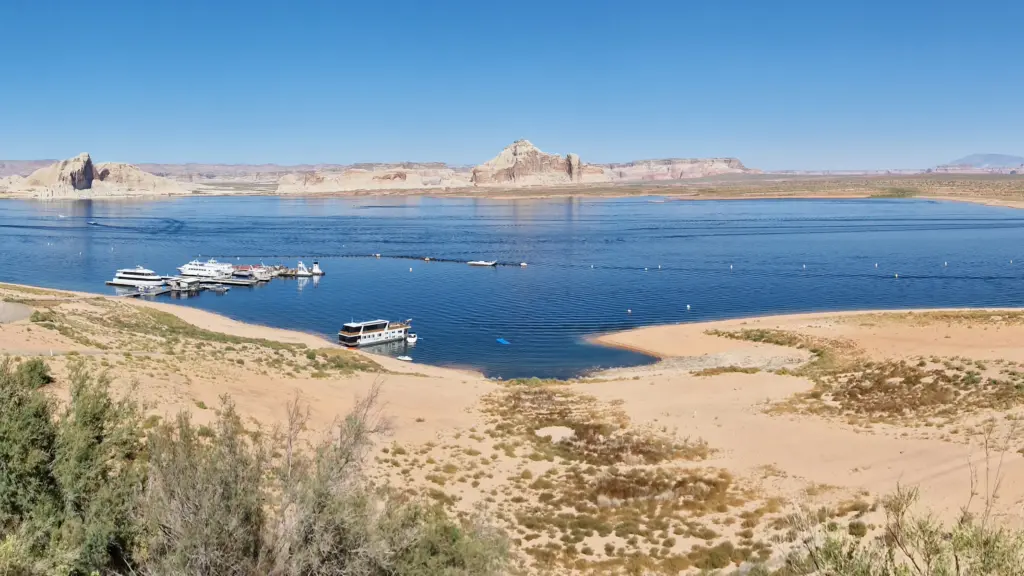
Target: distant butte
<point x="518" y="165"/>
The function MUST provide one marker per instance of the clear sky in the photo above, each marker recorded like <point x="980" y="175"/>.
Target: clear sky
<point x="779" y="84"/>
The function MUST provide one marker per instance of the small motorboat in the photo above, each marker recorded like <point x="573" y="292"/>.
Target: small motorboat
<point x="219" y="288"/>
<point x="483" y="262"/>
<point x="93" y="223"/>
<point x="412" y="338"/>
<point x="405" y="358"/>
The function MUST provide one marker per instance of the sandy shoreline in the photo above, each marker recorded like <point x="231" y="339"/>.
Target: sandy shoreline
<point x="671" y="193"/>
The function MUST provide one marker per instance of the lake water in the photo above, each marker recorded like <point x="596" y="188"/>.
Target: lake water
<point x="589" y="262"/>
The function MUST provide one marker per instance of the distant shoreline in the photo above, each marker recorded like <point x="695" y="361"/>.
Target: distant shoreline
<point x="537" y="195"/>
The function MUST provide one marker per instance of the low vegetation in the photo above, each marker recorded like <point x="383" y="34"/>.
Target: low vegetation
<point x="919" y="391"/>
<point x="90" y="487"/>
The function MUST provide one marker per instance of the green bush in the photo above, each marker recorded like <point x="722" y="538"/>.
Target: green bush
<point x="34" y="373"/>
<point x="83" y="491"/>
<point x="913" y="545"/>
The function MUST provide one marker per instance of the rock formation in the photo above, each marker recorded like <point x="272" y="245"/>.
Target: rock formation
<point x="78" y="177"/>
<point x="673" y="169"/>
<point x="523" y="164"/>
<point x="376" y="177"/>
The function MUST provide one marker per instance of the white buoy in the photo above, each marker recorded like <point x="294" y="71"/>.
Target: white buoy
<point x="945" y="263"/>
<point x="522" y="264"/>
<point x="410" y="269"/>
<point x="645" y="269"/>
<point x="629" y="310"/>
<point x="591" y="265"/>
<point x="805" y="266"/>
<point x="897" y="275"/>
<point x="687" y="306"/>
<point x="876" y="264"/>
<point x="730" y="266"/>
<point x="659" y="266"/>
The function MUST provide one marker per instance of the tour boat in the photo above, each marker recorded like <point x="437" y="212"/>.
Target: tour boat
<point x="209" y="269"/>
<point x="316" y="271"/>
<point x="301" y="271"/>
<point x="137" y="276"/>
<point x="482" y="262"/>
<point x="373" y="332"/>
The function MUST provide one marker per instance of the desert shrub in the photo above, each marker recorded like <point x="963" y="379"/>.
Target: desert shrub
<point x="34" y="373"/>
<point x="69" y="477"/>
<point x="82" y="491"/>
<point x="913" y="545"/>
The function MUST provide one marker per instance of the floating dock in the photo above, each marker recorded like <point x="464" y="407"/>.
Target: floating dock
<point x="233" y="281"/>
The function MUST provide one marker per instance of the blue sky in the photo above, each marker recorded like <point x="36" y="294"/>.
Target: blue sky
<point x="779" y="84"/>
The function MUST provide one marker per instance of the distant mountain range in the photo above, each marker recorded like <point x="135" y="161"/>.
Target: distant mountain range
<point x="989" y="161"/>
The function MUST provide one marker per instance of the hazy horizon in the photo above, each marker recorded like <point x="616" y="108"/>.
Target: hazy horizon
<point x="800" y="86"/>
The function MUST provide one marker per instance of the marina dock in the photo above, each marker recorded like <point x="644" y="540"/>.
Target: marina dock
<point x="232" y="281"/>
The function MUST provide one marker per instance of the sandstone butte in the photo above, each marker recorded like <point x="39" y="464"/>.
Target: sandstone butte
<point x="519" y="165"/>
<point x="79" y="177"/>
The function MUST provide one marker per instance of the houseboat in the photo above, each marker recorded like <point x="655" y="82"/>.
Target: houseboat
<point x="373" y="332"/>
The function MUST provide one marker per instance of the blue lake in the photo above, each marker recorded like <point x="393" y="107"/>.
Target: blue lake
<point x="589" y="262"/>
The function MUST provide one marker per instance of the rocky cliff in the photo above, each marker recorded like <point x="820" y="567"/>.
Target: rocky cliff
<point x="523" y="164"/>
<point x="673" y="169"/>
<point x="79" y="177"/>
<point x="375" y="177"/>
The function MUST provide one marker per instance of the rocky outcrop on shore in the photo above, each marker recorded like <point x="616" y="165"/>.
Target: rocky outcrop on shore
<point x="674" y="169"/>
<point x="519" y="165"/>
<point x="375" y="177"/>
<point x="79" y="177"/>
<point x="523" y="164"/>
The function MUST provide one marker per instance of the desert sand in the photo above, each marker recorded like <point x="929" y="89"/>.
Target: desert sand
<point x="693" y="462"/>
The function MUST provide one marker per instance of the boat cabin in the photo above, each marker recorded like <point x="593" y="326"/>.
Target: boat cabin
<point x="372" y="332"/>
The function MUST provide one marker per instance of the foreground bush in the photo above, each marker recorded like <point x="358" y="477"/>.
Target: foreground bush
<point x="912" y="545"/>
<point x="83" y="491"/>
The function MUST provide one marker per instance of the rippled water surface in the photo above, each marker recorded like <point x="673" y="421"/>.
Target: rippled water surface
<point x="589" y="262"/>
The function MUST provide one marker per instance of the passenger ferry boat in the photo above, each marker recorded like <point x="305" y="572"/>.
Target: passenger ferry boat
<point x="208" y="269"/>
<point x="373" y="332"/>
<point x="137" y="276"/>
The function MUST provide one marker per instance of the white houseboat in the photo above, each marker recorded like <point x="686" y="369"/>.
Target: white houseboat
<point x="373" y="332"/>
<point x="137" y="276"/>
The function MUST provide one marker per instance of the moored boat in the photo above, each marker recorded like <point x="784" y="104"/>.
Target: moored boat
<point x="209" y="269"/>
<point x="316" y="271"/>
<point x="482" y="262"/>
<point x="373" y="332"/>
<point x="137" y="276"/>
<point x="301" y="271"/>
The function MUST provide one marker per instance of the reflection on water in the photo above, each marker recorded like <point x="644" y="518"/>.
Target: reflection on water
<point x="590" y="261"/>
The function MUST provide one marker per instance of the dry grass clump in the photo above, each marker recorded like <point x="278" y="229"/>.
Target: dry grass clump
<point x="602" y="434"/>
<point x="642" y="514"/>
<point x="718" y="370"/>
<point x="846" y="384"/>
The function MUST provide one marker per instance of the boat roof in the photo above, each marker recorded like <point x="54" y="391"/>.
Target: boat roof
<point x="368" y="322"/>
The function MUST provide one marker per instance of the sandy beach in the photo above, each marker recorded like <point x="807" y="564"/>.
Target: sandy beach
<point x="742" y="422"/>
